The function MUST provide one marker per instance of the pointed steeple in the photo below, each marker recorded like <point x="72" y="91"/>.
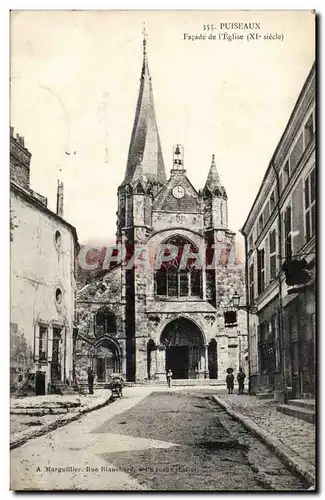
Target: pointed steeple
<point x="213" y="180"/>
<point x="213" y="184"/>
<point x="145" y="155"/>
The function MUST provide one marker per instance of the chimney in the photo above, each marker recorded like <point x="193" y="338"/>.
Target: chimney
<point x="59" y="199"/>
<point x="11" y="131"/>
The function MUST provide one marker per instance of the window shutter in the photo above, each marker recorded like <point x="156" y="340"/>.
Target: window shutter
<point x="50" y="343"/>
<point x="267" y="261"/>
<point x="297" y="219"/>
<point x="36" y="342"/>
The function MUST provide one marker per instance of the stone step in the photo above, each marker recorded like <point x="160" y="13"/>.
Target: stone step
<point x="189" y="382"/>
<point x="309" y="404"/>
<point x="264" y="395"/>
<point x="297" y="412"/>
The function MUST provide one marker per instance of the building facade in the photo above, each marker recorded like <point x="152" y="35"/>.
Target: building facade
<point x="141" y="320"/>
<point x="43" y="284"/>
<point x="280" y="230"/>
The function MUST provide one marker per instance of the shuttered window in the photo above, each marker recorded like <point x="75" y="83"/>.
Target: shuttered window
<point x="287" y="233"/>
<point x="309" y="130"/>
<point x="310" y="205"/>
<point x="251" y="283"/>
<point x="42" y="347"/>
<point x="260" y="270"/>
<point x="272" y="248"/>
<point x="296" y="152"/>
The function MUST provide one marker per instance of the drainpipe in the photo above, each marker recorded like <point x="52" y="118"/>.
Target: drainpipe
<point x="282" y="340"/>
<point x="247" y="311"/>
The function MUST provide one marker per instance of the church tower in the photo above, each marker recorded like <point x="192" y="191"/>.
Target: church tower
<point x="144" y="177"/>
<point x="145" y="170"/>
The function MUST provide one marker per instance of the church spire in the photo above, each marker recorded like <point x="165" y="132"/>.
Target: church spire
<point x="145" y="150"/>
<point x="213" y="184"/>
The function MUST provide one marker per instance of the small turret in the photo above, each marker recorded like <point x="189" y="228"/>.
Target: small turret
<point x="215" y="200"/>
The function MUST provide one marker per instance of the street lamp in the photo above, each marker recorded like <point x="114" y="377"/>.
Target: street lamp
<point x="235" y="300"/>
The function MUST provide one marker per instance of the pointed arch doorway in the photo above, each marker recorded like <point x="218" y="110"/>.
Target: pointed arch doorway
<point x="106" y="358"/>
<point x="185" y="352"/>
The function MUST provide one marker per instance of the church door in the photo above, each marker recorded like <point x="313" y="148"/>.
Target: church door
<point x="184" y="349"/>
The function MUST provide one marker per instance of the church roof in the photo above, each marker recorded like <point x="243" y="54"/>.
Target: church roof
<point x="145" y="157"/>
<point x="213" y="184"/>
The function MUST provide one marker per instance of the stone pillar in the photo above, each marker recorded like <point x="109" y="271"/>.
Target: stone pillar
<point x="153" y="363"/>
<point x="204" y="283"/>
<point x="141" y="359"/>
<point x="202" y="361"/>
<point x="161" y="362"/>
<point x="206" y="364"/>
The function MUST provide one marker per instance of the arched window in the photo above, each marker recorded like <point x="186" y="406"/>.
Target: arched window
<point x="177" y="278"/>
<point x="105" y="321"/>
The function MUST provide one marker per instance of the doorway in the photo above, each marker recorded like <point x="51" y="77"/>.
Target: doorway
<point x="177" y="361"/>
<point x="56" y="361"/>
<point x="107" y="358"/>
<point x="40" y="384"/>
<point x="185" y="355"/>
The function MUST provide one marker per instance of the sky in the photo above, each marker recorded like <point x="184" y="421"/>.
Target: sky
<point x="74" y="86"/>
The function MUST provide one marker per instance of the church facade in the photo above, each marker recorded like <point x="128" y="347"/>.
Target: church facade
<point x="174" y="309"/>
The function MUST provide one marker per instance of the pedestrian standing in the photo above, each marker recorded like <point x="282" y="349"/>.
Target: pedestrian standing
<point x="230" y="383"/>
<point x="169" y="378"/>
<point x="91" y="377"/>
<point x="241" y="380"/>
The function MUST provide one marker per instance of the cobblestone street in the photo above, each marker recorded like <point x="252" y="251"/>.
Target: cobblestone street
<point x="297" y="435"/>
<point x="175" y="440"/>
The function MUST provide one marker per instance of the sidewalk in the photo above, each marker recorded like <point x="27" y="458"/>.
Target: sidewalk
<point x="291" y="439"/>
<point x="34" y="416"/>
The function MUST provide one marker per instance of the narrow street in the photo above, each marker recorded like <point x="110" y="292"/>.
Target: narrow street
<point x="175" y="440"/>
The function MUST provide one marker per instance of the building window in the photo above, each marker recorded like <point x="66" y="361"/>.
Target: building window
<point x="272" y="243"/>
<point x="287" y="233"/>
<point x="310" y="205"/>
<point x="286" y="174"/>
<point x="58" y="296"/>
<point x="42" y="343"/>
<point x="272" y="201"/>
<point x="161" y="283"/>
<point x="266" y="213"/>
<point x="251" y="283"/>
<point x="230" y="319"/>
<point x="173" y="280"/>
<point x="105" y="322"/>
<point x="296" y="152"/>
<point x="250" y="243"/>
<point x="260" y="223"/>
<point x="309" y="130"/>
<point x="260" y="270"/>
<point x="57" y="239"/>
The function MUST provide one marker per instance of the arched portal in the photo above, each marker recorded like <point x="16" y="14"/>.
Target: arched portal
<point x="106" y="358"/>
<point x="184" y="345"/>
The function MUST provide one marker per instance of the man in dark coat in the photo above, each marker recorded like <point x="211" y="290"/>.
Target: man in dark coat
<point x="91" y="377"/>
<point x="241" y="381"/>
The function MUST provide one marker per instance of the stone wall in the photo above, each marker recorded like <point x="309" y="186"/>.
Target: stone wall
<point x="41" y="264"/>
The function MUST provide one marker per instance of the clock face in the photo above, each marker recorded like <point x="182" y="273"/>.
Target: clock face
<point x="178" y="192"/>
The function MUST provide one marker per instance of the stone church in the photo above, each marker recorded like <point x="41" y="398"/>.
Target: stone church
<point x="142" y="320"/>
